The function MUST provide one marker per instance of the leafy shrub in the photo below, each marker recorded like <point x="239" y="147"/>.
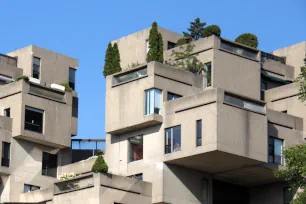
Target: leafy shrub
<point x="181" y="41"/>
<point x="248" y="39"/>
<point x="100" y="165"/>
<point x="66" y="176"/>
<point x="212" y="30"/>
<point x="67" y="87"/>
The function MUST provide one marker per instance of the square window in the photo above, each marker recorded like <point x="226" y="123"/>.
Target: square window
<point x="49" y="164"/>
<point x="33" y="119"/>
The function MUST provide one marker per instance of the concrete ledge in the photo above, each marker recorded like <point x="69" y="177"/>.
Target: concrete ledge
<point x="80" y="167"/>
<point x="282" y="92"/>
<point x="37" y="196"/>
<point x="149" y="120"/>
<point x="10" y="70"/>
<point x="285" y="120"/>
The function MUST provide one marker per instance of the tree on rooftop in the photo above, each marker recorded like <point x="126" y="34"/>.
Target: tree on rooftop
<point x="212" y="30"/>
<point x="295" y="171"/>
<point x="116" y="59"/>
<point x="248" y="39"/>
<point x="108" y="65"/>
<point x="196" y="29"/>
<point x="156" y="51"/>
<point x="100" y="165"/>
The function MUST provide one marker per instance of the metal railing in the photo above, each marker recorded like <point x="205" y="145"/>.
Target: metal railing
<point x="82" y="149"/>
<point x="4" y="59"/>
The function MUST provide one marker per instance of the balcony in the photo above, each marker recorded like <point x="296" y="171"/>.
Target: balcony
<point x="8" y="68"/>
<point x="5" y="59"/>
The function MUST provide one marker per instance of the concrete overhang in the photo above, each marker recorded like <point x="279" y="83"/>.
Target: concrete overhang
<point x="148" y="121"/>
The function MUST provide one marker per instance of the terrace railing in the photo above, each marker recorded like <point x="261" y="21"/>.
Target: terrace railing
<point x="4" y="59"/>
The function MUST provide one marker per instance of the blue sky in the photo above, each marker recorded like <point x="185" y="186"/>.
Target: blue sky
<point x="82" y="29"/>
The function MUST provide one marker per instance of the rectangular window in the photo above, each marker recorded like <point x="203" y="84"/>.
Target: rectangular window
<point x="147" y="46"/>
<point x="72" y="78"/>
<point x="130" y="76"/>
<point x="7" y="112"/>
<point x="33" y="119"/>
<point x="136" y="148"/>
<point x="153" y="101"/>
<point x="171" y="45"/>
<point x="28" y="188"/>
<point x="243" y="103"/>
<point x="172" y="96"/>
<point x="49" y="164"/>
<point x="239" y="50"/>
<point x="75" y="107"/>
<point x="208" y="74"/>
<point x="275" y="150"/>
<point x="173" y="139"/>
<point x="36" y="68"/>
<point x="199" y="132"/>
<point x="288" y="195"/>
<point x="5" y="154"/>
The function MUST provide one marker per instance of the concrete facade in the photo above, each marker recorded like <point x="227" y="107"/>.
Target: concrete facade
<point x="232" y="163"/>
<point x="22" y="163"/>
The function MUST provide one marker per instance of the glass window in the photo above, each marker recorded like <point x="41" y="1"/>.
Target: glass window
<point x="173" y="139"/>
<point x="75" y="106"/>
<point x="171" y="45"/>
<point x="205" y="191"/>
<point x="288" y="195"/>
<point x="153" y="101"/>
<point x="264" y="85"/>
<point x="130" y="76"/>
<point x="208" y="74"/>
<point x="33" y="119"/>
<point x="239" y="50"/>
<point x="72" y="78"/>
<point x="172" y="96"/>
<point x="49" y="164"/>
<point x="199" y="133"/>
<point x="28" y="188"/>
<point x="136" y="148"/>
<point x="147" y="46"/>
<point x="243" y="103"/>
<point x="5" y="154"/>
<point x="275" y="150"/>
<point x="7" y="112"/>
<point x="36" y="67"/>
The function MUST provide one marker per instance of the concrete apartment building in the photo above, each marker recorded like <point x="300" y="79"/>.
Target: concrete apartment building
<point x="172" y="137"/>
<point x="205" y="140"/>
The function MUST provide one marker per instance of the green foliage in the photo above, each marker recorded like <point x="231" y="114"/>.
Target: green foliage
<point x="196" y="29"/>
<point x="302" y="81"/>
<point x="116" y="59"/>
<point x="100" y="165"/>
<point x="300" y="199"/>
<point x="67" y="87"/>
<point x="185" y="59"/>
<point x="112" y="60"/>
<point x="248" y="39"/>
<point x="22" y="77"/>
<point x="212" y="30"/>
<point x="156" y="50"/>
<point x="181" y="41"/>
<point x="133" y="65"/>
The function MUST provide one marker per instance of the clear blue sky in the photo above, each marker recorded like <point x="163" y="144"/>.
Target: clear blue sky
<point x="82" y="29"/>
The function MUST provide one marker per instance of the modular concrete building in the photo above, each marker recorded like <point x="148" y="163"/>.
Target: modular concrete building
<point x="172" y="137"/>
<point x="209" y="139"/>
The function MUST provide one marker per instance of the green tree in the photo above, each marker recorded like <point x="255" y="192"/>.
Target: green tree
<point x="108" y="65"/>
<point x="302" y="81"/>
<point x="156" y="51"/>
<point x="248" y="39"/>
<point x="295" y="171"/>
<point x="196" y="29"/>
<point x="116" y="59"/>
<point x="100" y="165"/>
<point x="212" y="30"/>
<point x="185" y="59"/>
<point x="181" y="41"/>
